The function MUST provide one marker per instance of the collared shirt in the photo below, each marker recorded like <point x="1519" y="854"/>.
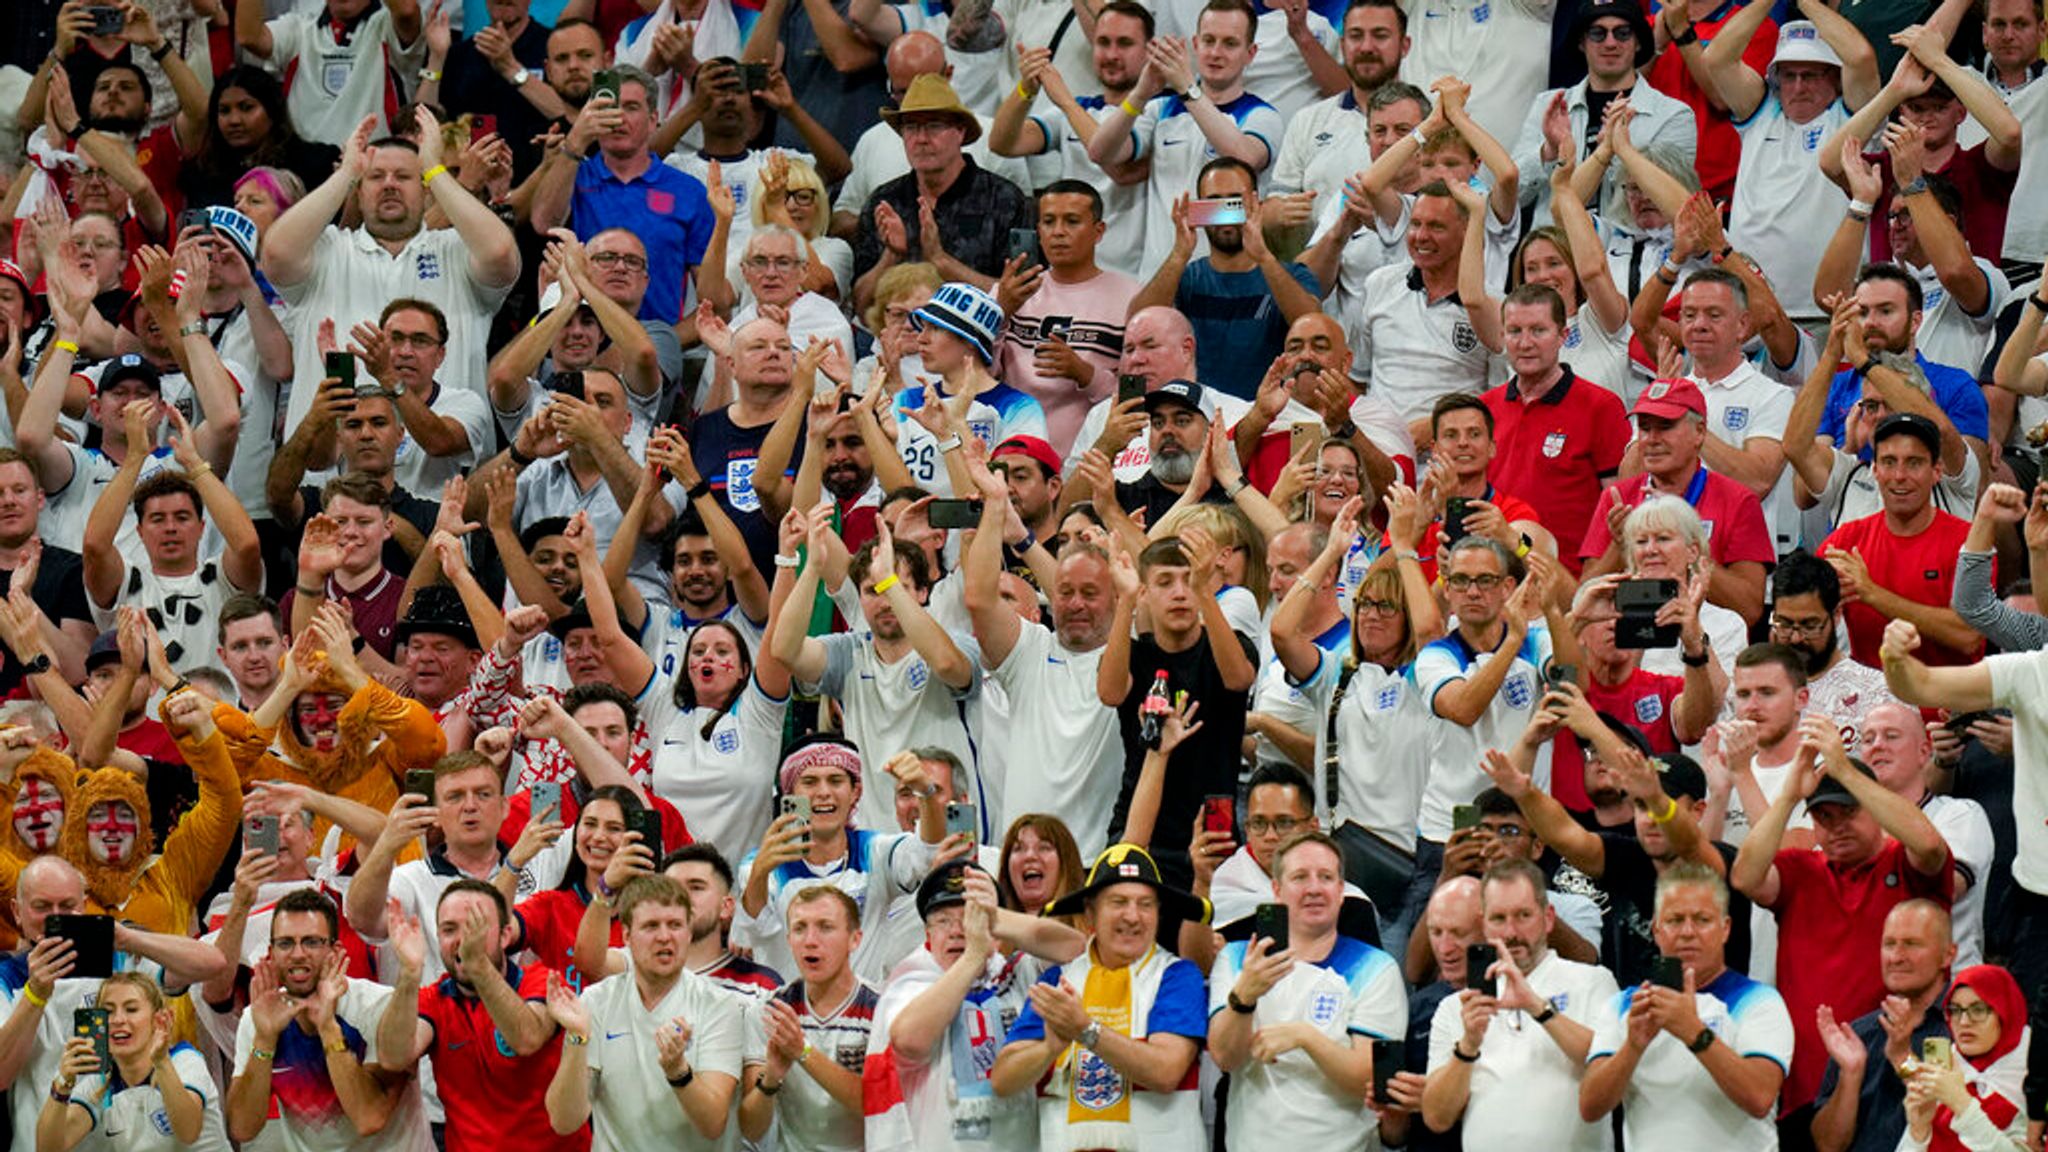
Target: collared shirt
<point x="1418" y="349"/>
<point x="493" y="1097"/>
<point x="1672" y="1101"/>
<point x="1659" y="121"/>
<point x="1733" y="517"/>
<point x="1744" y="405"/>
<point x="669" y="210"/>
<point x="1955" y="389"/>
<point x="975" y="214"/>
<point x="1785" y="208"/>
<point x="1325" y="145"/>
<point x="1555" y="451"/>
<point x="334" y="80"/>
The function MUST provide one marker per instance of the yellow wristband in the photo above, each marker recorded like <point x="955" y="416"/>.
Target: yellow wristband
<point x="29" y="991"/>
<point x="67" y="345"/>
<point x="436" y="170"/>
<point x="1125" y="104"/>
<point x="886" y="583"/>
<point x="1026" y="93"/>
<point x="1668" y="814"/>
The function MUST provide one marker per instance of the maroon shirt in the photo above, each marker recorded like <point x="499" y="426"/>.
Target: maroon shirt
<point x="374" y="608"/>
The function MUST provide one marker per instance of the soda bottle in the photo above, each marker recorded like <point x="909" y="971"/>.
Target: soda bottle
<point x="1152" y="713"/>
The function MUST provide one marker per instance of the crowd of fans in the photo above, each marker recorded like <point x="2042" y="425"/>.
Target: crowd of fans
<point x="1023" y="574"/>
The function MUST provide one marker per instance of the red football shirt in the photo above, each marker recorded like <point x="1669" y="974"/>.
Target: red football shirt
<point x="1643" y="702"/>
<point x="1985" y="191"/>
<point x="551" y="919"/>
<point x="1555" y="452"/>
<point x="493" y="1098"/>
<point x="1734" y="519"/>
<point x="1921" y="568"/>
<point x="1720" y="148"/>
<point x="1510" y="508"/>
<point x="1831" y="924"/>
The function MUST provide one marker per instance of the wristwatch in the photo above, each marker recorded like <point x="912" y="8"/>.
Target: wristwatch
<point x="1701" y="1042"/>
<point x="1913" y="187"/>
<point x="1547" y="1015"/>
<point x="1090" y="1036"/>
<point x="518" y="79"/>
<point x="37" y="666"/>
<point x="1194" y="91"/>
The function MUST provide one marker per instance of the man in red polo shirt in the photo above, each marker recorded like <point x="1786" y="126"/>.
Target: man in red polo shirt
<point x="1671" y="426"/>
<point x="1877" y="850"/>
<point x="1467" y="503"/>
<point x="1900" y="564"/>
<point x="486" y="1024"/>
<point x="1557" y="440"/>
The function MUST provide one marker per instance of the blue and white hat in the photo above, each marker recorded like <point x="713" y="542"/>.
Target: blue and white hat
<point x="237" y="228"/>
<point x="966" y="312"/>
<point x="1799" y="42"/>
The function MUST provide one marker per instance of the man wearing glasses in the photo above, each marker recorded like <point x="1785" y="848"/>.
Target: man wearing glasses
<point x="444" y="427"/>
<point x="1279" y="805"/>
<point x="1806" y="608"/>
<point x="774" y="270"/>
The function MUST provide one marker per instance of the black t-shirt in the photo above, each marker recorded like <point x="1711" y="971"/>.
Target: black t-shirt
<point x="1156" y="498"/>
<point x="1422" y="1005"/>
<point x="1630" y="879"/>
<point x="59" y="592"/>
<point x="471" y="84"/>
<point x="1207" y="762"/>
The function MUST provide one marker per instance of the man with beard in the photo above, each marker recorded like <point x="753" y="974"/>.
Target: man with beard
<point x="447" y="427"/>
<point x="1310" y="383"/>
<point x="1877" y="850"/>
<point x="1759" y="746"/>
<point x="352" y="62"/>
<point x="1415" y="341"/>
<point x="1899" y="334"/>
<point x="1180" y="413"/>
<point x="729" y="118"/>
<point x="1240" y="298"/>
<point x="662" y="1070"/>
<point x="591" y="326"/>
<point x="1519" y="1033"/>
<point x="52" y="574"/>
<point x="114" y="136"/>
<point x="325" y="271"/>
<point x="361" y="432"/>
<point x="1328" y="143"/>
<point x="307" y="1045"/>
<point x="1049" y="677"/>
<point x="493" y="1091"/>
<point x="807" y="1031"/>
<point x="1895" y="744"/>
<point x="1159" y="347"/>
<point x="1806" y="615"/>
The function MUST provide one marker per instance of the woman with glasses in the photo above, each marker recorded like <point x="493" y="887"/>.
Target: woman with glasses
<point x="154" y="1094"/>
<point x="1664" y="539"/>
<point x="792" y="195"/>
<point x="1975" y="1099"/>
<point x="894" y="360"/>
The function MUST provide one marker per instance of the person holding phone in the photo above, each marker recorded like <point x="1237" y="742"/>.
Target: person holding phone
<point x="1294" y="1024"/>
<point x="603" y="825"/>
<point x="1976" y="1096"/>
<point x="158" y="1094"/>
<point x="1699" y="1065"/>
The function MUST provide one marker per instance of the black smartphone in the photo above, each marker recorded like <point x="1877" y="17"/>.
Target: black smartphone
<point x="1638" y="602"/>
<point x="647" y="822"/>
<point x="1129" y="387"/>
<point x="753" y="75"/>
<point x="92" y="942"/>
<point x="342" y="366"/>
<point x="91" y="1023"/>
<point x="954" y="513"/>
<point x="1024" y="242"/>
<point x="1960" y="724"/>
<point x="605" y="83"/>
<point x="1270" y="921"/>
<point x="420" y="782"/>
<point x="1464" y="816"/>
<point x="1479" y="958"/>
<point x="1668" y="972"/>
<point x="260" y="834"/>
<point x="107" y="20"/>
<point x="962" y="819"/>
<point x="192" y="218"/>
<point x="1386" y="1060"/>
<point x="1454" y="518"/>
<point x="799" y="807"/>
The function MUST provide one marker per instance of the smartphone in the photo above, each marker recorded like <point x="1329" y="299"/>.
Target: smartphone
<point x="92" y="941"/>
<point x="1301" y="435"/>
<point x="260" y="834"/>
<point x="753" y="75"/>
<point x="1214" y="213"/>
<point x="799" y="807"/>
<point x="1455" y="508"/>
<point x="1055" y="327"/>
<point x="1219" y="814"/>
<point x="342" y="366"/>
<point x="482" y="125"/>
<point x="1024" y="242"/>
<point x="1559" y="675"/>
<point x="1478" y="958"/>
<point x="91" y="1023"/>
<point x="1638" y="602"/>
<point x="1464" y="816"/>
<point x="1270" y="921"/>
<point x="963" y="820"/>
<point x="1937" y="1050"/>
<point x="647" y="822"/>
<point x="605" y="83"/>
<point x="1668" y="972"/>
<point x="1960" y="723"/>
<point x="192" y="218"/>
<point x="544" y="800"/>
<point x="1129" y="387"/>
<point x="107" y="20"/>
<point x="954" y="513"/>
<point x="1386" y="1060"/>
<point x="420" y="782"/>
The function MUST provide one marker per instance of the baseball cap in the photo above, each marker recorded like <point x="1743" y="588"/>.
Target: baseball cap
<point x="1909" y="424"/>
<point x="1833" y="791"/>
<point x="966" y="312"/>
<point x="130" y="367"/>
<point x="1671" y="400"/>
<point x="1681" y="775"/>
<point x="1181" y="393"/>
<point x="106" y="649"/>
<point x="1030" y="446"/>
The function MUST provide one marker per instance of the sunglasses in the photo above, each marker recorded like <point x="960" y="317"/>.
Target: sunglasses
<point x="1620" y="33"/>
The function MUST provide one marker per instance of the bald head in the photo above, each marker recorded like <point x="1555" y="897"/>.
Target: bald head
<point x="913" y="54"/>
<point x="1893" y="741"/>
<point x="1159" y="344"/>
<point x="1454" y="923"/>
<point x="47" y="885"/>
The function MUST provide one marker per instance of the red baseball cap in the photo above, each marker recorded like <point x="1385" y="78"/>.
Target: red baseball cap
<point x="1671" y="400"/>
<point x="1033" y="447"/>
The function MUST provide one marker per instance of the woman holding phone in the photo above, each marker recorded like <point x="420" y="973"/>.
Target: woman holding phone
<point x="551" y="917"/>
<point x="1972" y="1097"/>
<point x="151" y="1094"/>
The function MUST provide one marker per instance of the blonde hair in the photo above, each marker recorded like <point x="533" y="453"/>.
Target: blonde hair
<point x="801" y="176"/>
<point x="897" y="283"/>
<point x="1230" y="529"/>
<point x="148" y="987"/>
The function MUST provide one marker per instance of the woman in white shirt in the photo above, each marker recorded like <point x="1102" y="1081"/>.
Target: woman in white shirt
<point x="156" y="1096"/>
<point x="716" y="762"/>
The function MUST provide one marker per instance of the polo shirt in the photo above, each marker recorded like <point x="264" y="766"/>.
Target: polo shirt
<point x="334" y="76"/>
<point x="1167" y="134"/>
<point x="631" y="1103"/>
<point x="550" y="919"/>
<point x="1455" y="776"/>
<point x="1325" y="145"/>
<point x="1053" y="704"/>
<point x="1554" y="453"/>
<point x="1239" y="327"/>
<point x="1512" y="509"/>
<point x="1524" y="1088"/>
<point x="1920" y="568"/>
<point x="720" y="775"/>
<point x="493" y="1098"/>
<point x="1955" y="389"/>
<point x="416" y="471"/>
<point x="1671" y="1100"/>
<point x="1746" y="405"/>
<point x="1734" y="519"/>
<point x="2026" y="225"/>
<point x="1851" y="493"/>
<point x="1831" y="956"/>
<point x="1644" y="701"/>
<point x="1722" y="156"/>
<point x="1122" y="248"/>
<point x="1785" y="209"/>
<point x="1417" y="350"/>
<point x="1985" y="190"/>
<point x="373" y="609"/>
<point x="669" y="211"/>
<point x="1276" y="70"/>
<point x="1384" y="735"/>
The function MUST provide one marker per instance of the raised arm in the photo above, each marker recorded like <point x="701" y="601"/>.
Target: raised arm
<point x="1739" y="86"/>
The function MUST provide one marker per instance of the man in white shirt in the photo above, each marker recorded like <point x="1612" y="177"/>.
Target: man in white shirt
<point x="1296" y="62"/>
<point x="345" y="60"/>
<point x="1503" y="50"/>
<point x="773" y="267"/>
<point x="448" y="429"/>
<point x="1806" y="616"/>
<point x="811" y="1038"/>
<point x="348" y="275"/>
<point x="1896" y="746"/>
<point x="1506" y="1056"/>
<point x="1412" y="338"/>
<point x="1697" y="1066"/>
<point x="1326" y="143"/>
<point x="1746" y="410"/>
<point x="651" y="1058"/>
<point x="1159" y="347"/>
<point x="1293" y="1020"/>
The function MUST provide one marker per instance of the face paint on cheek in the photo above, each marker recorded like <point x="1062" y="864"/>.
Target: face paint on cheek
<point x="39" y="814"/>
<point x="111" y="832"/>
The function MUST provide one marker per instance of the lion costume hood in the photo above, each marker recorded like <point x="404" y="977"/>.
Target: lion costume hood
<point x="109" y="885"/>
<point x="357" y="734"/>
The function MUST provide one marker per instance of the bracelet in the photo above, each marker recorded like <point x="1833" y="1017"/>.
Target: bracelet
<point x="162" y="50"/>
<point x="885" y="583"/>
<point x="1125" y="106"/>
<point x="1668" y="273"/>
<point x="2037" y="301"/>
<point x="195" y="473"/>
<point x="1862" y="207"/>
<point x="1418" y="137"/>
<point x="1691" y="35"/>
<point x="1029" y="542"/>
<point x="1692" y="661"/>
<point x="320" y="591"/>
<point x="337" y="1048"/>
<point x="63" y="1097"/>
<point x="519" y="459"/>
<point x="949" y="444"/>
<point x="1458" y="1050"/>
<point x="431" y="75"/>
<point x="683" y="1081"/>
<point x="436" y="170"/>
<point x="70" y="346"/>
<point x="195" y="328"/>
<point x="1027" y="95"/>
<point x="1408" y="554"/>
<point x="29" y="992"/>
<point x="782" y="561"/>
<point x="699" y="490"/>
<point x="262" y="1054"/>
<point x="1239" y="1006"/>
<point x="1670" y="811"/>
<point x="1233" y="490"/>
<point x="576" y="1039"/>
<point x="766" y="1088"/>
<point x="1913" y="187"/>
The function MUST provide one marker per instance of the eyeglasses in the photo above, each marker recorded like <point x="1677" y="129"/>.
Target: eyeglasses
<point x="99" y="245"/>
<point x="777" y="263"/>
<point x="1342" y="473"/>
<point x="1976" y="1013"/>
<point x="1619" y="33"/>
<point x="1278" y="825"/>
<point x="1812" y="628"/>
<point x="626" y="260"/>
<point x="1378" y="608"/>
<point x="413" y="340"/>
<point x="1485" y="583"/>
<point x="801" y="196"/>
<point x="302" y="944"/>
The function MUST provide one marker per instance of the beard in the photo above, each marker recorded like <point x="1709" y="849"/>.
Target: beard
<point x="1227" y="238"/>
<point x="121" y="125"/>
<point x="1176" y="469"/>
<point x="1818" y="659"/>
